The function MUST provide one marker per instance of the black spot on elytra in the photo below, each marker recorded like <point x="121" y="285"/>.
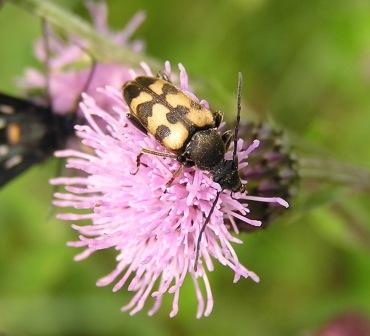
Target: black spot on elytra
<point x="162" y="132"/>
<point x="169" y="89"/>
<point x="177" y="114"/>
<point x="131" y="91"/>
<point x="195" y="105"/>
<point x="145" y="81"/>
<point x="144" y="111"/>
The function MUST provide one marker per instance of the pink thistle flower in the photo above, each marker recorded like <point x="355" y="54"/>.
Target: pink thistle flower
<point x="154" y="230"/>
<point x="346" y="324"/>
<point x="70" y="66"/>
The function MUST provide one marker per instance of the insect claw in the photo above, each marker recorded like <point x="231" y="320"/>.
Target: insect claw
<point x="135" y="172"/>
<point x="167" y="186"/>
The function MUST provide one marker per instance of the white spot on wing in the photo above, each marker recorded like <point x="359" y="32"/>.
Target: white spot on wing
<point x="4" y="150"/>
<point x="6" y="109"/>
<point x="12" y="162"/>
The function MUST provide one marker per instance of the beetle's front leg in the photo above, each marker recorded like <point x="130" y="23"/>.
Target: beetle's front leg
<point x="175" y="175"/>
<point x="226" y="138"/>
<point x="163" y="75"/>
<point x="151" y="152"/>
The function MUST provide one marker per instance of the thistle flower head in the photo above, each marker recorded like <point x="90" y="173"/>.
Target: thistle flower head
<point x="71" y="70"/>
<point x="153" y="228"/>
<point x="346" y="324"/>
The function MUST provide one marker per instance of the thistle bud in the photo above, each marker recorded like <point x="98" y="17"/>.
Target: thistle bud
<point x="271" y="171"/>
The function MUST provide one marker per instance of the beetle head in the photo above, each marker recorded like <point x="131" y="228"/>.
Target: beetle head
<point x="226" y="174"/>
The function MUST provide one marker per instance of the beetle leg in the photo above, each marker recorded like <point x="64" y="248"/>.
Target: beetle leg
<point x="226" y="138"/>
<point x="175" y="175"/>
<point x="156" y="153"/>
<point x="219" y="116"/>
<point x="138" y="163"/>
<point x="183" y="158"/>
<point x="151" y="152"/>
<point x="163" y="75"/>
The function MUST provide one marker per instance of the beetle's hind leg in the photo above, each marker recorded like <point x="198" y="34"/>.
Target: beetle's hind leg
<point x="151" y="152"/>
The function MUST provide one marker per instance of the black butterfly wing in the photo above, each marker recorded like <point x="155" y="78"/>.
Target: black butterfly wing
<point x="17" y="166"/>
<point x="29" y="133"/>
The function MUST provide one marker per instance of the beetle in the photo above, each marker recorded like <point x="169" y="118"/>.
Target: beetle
<point x="188" y="130"/>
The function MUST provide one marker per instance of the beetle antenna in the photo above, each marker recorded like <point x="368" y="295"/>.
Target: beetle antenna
<point x="203" y="229"/>
<point x="238" y="109"/>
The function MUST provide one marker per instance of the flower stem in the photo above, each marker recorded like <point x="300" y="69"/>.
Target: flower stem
<point x="336" y="172"/>
<point x="100" y="47"/>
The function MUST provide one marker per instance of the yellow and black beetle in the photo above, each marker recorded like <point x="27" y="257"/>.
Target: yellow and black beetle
<point x="185" y="128"/>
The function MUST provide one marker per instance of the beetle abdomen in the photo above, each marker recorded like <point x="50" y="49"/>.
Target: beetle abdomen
<point x="166" y="112"/>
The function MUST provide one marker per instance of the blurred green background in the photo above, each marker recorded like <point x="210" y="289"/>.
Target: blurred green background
<point x="306" y="66"/>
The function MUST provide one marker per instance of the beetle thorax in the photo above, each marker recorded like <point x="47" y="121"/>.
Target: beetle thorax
<point x="206" y="149"/>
